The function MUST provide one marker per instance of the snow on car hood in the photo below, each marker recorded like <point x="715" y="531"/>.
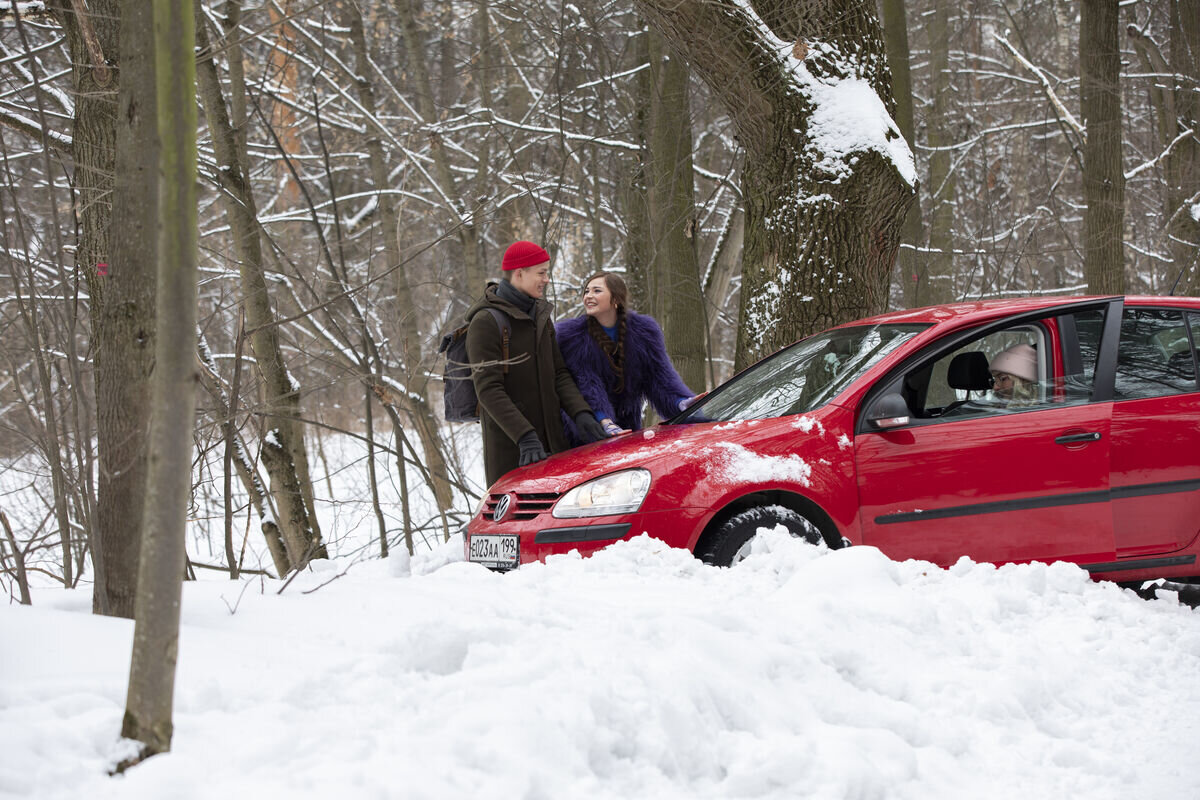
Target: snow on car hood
<point x="725" y="448"/>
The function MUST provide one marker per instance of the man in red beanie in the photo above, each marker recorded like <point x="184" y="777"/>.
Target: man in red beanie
<point x="521" y="396"/>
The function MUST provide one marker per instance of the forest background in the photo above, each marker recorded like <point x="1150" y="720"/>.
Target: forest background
<point x="362" y="167"/>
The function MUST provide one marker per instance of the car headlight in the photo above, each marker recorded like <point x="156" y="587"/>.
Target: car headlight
<point x="618" y="493"/>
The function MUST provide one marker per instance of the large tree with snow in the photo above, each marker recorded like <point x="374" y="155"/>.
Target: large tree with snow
<point x="828" y="177"/>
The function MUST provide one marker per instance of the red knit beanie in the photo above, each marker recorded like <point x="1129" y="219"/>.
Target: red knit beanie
<point x="523" y="254"/>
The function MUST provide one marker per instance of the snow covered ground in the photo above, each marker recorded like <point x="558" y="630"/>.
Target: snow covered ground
<point x="637" y="673"/>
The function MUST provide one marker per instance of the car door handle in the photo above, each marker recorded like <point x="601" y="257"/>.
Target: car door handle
<point x="1078" y="438"/>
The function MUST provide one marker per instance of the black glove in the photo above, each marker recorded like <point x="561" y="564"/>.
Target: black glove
<point x="589" y="429"/>
<point x="531" y="448"/>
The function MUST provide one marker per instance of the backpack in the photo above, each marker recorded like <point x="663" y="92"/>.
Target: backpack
<point x="461" y="404"/>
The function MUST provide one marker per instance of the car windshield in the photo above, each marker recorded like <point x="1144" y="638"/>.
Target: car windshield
<point x="802" y="377"/>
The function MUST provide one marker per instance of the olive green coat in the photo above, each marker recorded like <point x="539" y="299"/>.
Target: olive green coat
<point x="531" y="394"/>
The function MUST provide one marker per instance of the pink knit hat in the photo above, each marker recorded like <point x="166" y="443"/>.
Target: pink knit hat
<point x="523" y="254"/>
<point x="1019" y="360"/>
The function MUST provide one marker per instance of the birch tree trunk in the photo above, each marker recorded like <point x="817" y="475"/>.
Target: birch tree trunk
<point x="824" y="208"/>
<point x="283" y="452"/>
<point x="148" y="709"/>
<point x="1103" y="176"/>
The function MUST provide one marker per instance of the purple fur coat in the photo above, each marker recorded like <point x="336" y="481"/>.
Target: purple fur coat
<point x="649" y="374"/>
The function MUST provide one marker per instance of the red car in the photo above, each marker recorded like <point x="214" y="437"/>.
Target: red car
<point x="1060" y="429"/>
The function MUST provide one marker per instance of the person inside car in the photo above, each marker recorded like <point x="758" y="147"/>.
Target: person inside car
<point x="1014" y="376"/>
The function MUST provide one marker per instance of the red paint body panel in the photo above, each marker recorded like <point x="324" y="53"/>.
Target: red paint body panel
<point x="1156" y="441"/>
<point x="970" y="463"/>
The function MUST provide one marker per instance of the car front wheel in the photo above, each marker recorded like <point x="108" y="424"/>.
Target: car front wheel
<point x="731" y="542"/>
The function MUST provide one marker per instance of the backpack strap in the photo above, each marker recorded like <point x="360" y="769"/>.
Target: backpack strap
<point x="505" y="325"/>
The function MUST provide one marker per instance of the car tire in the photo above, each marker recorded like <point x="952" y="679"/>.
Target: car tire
<point x="731" y="542"/>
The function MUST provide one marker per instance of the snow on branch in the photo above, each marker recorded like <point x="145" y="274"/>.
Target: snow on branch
<point x="1133" y="173"/>
<point x="21" y="123"/>
<point x="29" y="9"/>
<point x="1063" y="112"/>
<point x="607" y="79"/>
<point x="568" y="135"/>
<point x="1162" y="259"/>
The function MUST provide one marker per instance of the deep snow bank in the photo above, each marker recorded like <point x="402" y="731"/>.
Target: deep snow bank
<point x="637" y="673"/>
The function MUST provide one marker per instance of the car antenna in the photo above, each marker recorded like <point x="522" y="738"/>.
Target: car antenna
<point x="1181" y="274"/>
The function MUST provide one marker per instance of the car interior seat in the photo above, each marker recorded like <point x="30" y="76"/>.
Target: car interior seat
<point x="968" y="372"/>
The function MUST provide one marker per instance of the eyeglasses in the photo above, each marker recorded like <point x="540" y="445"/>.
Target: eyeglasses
<point x="998" y="377"/>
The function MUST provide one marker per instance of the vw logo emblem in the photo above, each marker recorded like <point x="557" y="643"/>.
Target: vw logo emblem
<point x="501" y="508"/>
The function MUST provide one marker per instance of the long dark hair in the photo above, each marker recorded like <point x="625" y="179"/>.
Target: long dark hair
<point x="615" y="351"/>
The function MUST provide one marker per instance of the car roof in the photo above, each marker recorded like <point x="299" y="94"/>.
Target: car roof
<point x="979" y="310"/>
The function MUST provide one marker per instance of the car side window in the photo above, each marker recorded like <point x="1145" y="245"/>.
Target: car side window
<point x="1155" y="354"/>
<point x="1037" y="364"/>
<point x="997" y="373"/>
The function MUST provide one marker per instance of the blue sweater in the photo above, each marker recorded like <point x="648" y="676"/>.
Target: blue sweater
<point x="649" y="374"/>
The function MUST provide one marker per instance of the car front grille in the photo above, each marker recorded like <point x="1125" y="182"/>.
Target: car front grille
<point x="522" y="506"/>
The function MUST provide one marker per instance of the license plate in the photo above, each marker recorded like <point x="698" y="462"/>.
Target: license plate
<point x="498" y="551"/>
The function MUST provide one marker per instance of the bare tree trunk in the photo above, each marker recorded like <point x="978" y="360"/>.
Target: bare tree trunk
<point x="148" y="709"/>
<point x="123" y="325"/>
<point x="229" y="432"/>
<point x="474" y="274"/>
<point x="936" y="280"/>
<point x="371" y="479"/>
<point x="284" y="75"/>
<point x="674" y="273"/>
<point x="1177" y="106"/>
<point x="283" y="451"/>
<point x="226" y="410"/>
<point x="92" y="40"/>
<point x="1103" y="176"/>
<point x="1183" y="162"/>
<point x="635" y="202"/>
<point x="719" y="290"/>
<point x="18" y="561"/>
<point x="405" y="512"/>
<point x="418" y="410"/>
<point x="909" y="262"/>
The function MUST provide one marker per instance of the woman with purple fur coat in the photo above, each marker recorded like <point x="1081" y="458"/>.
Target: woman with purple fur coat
<point x="619" y="359"/>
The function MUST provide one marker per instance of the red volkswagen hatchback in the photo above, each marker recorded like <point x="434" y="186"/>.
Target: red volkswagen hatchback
<point x="1063" y="429"/>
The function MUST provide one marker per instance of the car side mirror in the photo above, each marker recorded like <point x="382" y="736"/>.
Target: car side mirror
<point x="889" y="411"/>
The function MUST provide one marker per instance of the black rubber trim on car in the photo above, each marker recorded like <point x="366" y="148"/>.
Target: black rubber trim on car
<point x="1144" y="489"/>
<point x="586" y="533"/>
<point x="1045" y="501"/>
<point x="1141" y="563"/>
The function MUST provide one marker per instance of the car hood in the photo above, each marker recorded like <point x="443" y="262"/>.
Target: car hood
<point x="661" y="448"/>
